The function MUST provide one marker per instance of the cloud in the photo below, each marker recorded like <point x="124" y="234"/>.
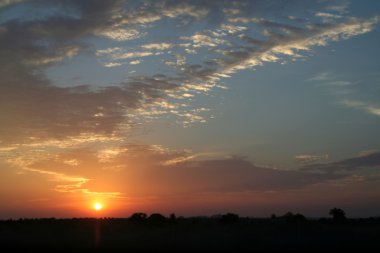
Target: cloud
<point x="119" y="54"/>
<point x="365" y="106"/>
<point x="158" y="46"/>
<point x="132" y="170"/>
<point x="322" y="77"/>
<point x="4" y="3"/>
<point x="346" y="90"/>
<point x="295" y="39"/>
<point x="232" y="29"/>
<point x="71" y="183"/>
<point x="236" y="174"/>
<point x="328" y="17"/>
<point x="201" y="40"/>
<point x="121" y="34"/>
<point x="135" y="62"/>
<point x="368" y="152"/>
<point x="311" y="158"/>
<point x="364" y="161"/>
<point x="112" y="64"/>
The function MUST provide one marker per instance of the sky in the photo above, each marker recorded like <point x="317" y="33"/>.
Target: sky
<point x="189" y="107"/>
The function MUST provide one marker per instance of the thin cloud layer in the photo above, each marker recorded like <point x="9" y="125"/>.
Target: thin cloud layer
<point x="348" y="92"/>
<point x="364" y="161"/>
<point x="139" y="170"/>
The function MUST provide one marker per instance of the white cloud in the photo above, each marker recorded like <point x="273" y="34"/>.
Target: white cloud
<point x="4" y="3"/>
<point x="327" y="17"/>
<point x="118" y="53"/>
<point x="184" y="9"/>
<point x="365" y="106"/>
<point x="133" y="55"/>
<point x="307" y="158"/>
<point x="368" y="152"/>
<point x="373" y="110"/>
<point x="59" y="55"/>
<point x="112" y="64"/>
<point x="232" y="29"/>
<point x="243" y="20"/>
<point x="323" y="76"/>
<point x="301" y="40"/>
<point x="201" y="40"/>
<point x="108" y="51"/>
<point x="158" y="46"/>
<point x="121" y="34"/>
<point x="342" y="89"/>
<point x="71" y="162"/>
<point x="135" y="62"/>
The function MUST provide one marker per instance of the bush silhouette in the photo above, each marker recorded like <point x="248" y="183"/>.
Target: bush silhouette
<point x="156" y="218"/>
<point x="338" y="214"/>
<point x="138" y="217"/>
<point x="293" y="218"/>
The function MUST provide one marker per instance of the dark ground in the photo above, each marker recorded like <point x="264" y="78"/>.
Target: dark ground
<point x="221" y="233"/>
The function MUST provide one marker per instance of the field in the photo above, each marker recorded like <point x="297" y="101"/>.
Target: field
<point x="192" y="234"/>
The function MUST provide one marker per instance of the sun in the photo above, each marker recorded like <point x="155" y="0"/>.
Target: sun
<point x="98" y="206"/>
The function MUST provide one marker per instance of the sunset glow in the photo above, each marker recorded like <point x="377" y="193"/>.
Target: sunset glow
<point x="189" y="107"/>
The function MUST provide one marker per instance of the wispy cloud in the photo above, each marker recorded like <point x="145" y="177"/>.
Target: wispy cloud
<point x="158" y="46"/>
<point x="4" y="3"/>
<point x="65" y="183"/>
<point x="363" y="161"/>
<point x="112" y="64"/>
<point x="323" y="77"/>
<point x="311" y="158"/>
<point x="135" y="62"/>
<point x="201" y="40"/>
<point x="365" y="106"/>
<point x="345" y="90"/>
<point x="120" y="34"/>
<point x="144" y="170"/>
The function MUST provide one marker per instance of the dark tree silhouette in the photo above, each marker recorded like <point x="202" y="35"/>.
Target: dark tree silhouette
<point x="157" y="217"/>
<point x="293" y="218"/>
<point x="138" y="217"/>
<point x="337" y="214"/>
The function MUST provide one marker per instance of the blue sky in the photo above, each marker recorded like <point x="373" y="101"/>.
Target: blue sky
<point x="141" y="104"/>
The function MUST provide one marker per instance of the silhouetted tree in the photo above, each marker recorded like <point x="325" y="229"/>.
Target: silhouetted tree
<point x="157" y="217"/>
<point x="338" y="214"/>
<point x="138" y="217"/>
<point x="293" y="218"/>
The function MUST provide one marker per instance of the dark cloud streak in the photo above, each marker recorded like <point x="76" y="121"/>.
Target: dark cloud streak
<point x="371" y="161"/>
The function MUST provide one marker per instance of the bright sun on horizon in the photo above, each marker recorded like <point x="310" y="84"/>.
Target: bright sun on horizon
<point x="98" y="206"/>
